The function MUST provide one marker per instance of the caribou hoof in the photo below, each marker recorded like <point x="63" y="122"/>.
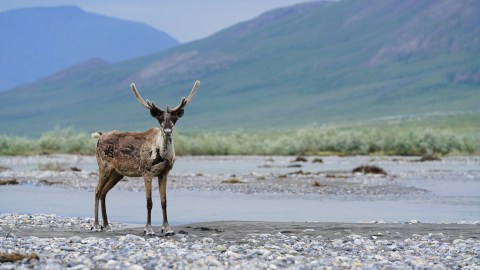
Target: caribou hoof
<point x="107" y="228"/>
<point x="148" y="230"/>
<point x="167" y="231"/>
<point x="96" y="227"/>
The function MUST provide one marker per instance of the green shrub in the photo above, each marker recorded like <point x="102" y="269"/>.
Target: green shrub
<point x="57" y="141"/>
<point x="308" y="141"/>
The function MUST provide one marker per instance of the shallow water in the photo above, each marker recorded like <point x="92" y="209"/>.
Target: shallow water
<point x="193" y="206"/>
<point x="453" y="186"/>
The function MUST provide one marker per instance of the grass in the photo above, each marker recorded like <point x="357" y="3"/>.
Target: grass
<point x="362" y="140"/>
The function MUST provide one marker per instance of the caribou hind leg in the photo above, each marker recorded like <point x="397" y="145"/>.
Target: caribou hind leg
<point x="113" y="179"/>
<point x="102" y="180"/>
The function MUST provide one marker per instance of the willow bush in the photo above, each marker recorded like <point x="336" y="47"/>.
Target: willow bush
<point x="314" y="141"/>
<point x="57" y="141"/>
<point x="307" y="141"/>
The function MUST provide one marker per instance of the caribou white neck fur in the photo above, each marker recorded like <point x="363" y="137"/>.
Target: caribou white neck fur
<point x="165" y="147"/>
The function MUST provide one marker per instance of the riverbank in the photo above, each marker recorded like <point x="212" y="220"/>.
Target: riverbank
<point x="67" y="242"/>
<point x="249" y="189"/>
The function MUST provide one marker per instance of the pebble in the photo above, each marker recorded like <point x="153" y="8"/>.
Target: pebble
<point x="268" y="251"/>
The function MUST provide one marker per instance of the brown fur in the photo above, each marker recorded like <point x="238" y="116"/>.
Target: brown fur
<point x="129" y="153"/>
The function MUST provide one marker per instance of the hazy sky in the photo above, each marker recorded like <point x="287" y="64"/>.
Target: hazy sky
<point x="185" y="20"/>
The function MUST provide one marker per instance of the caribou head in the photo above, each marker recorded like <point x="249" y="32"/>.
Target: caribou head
<point x="166" y="118"/>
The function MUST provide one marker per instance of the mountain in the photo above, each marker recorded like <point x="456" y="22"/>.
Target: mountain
<point x="40" y="41"/>
<point x="318" y="62"/>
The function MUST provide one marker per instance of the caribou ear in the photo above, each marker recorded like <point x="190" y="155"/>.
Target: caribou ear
<point x="179" y="113"/>
<point x="155" y="112"/>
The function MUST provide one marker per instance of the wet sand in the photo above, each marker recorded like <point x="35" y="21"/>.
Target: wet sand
<point x="238" y="231"/>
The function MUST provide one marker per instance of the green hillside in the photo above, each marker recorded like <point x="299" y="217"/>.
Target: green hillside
<point x="315" y="63"/>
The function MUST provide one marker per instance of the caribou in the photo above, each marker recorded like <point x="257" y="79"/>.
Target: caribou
<point x="146" y="154"/>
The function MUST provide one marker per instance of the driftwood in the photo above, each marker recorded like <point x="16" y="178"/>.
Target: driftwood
<point x="369" y="169"/>
<point x="429" y="158"/>
<point x="15" y="257"/>
<point x="8" y="182"/>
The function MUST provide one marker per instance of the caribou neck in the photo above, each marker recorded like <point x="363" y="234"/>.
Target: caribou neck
<point x="165" y="147"/>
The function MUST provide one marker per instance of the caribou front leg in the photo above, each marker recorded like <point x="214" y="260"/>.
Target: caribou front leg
<point x="148" y="192"/>
<point x="162" y="186"/>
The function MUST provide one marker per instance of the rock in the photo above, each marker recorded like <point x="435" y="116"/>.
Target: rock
<point x="264" y="236"/>
<point x="212" y="261"/>
<point x="221" y="248"/>
<point x="67" y="248"/>
<point x="337" y="243"/>
<point x="233" y="248"/>
<point x="263" y="252"/>
<point x="458" y="241"/>
<point x="358" y="242"/>
<point x="136" y="267"/>
<point x="272" y="266"/>
<point x="414" y="221"/>
<point x="300" y="159"/>
<point x="395" y="255"/>
<point x="102" y="257"/>
<point x="78" y="267"/>
<point x="231" y="254"/>
<point x="196" y="246"/>
<point x="299" y="246"/>
<point x="207" y="241"/>
<point x="75" y="239"/>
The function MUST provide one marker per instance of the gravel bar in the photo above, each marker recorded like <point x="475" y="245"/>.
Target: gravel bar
<point x="68" y="243"/>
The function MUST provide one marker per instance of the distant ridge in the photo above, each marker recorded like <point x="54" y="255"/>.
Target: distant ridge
<point x="42" y="40"/>
<point x="310" y="64"/>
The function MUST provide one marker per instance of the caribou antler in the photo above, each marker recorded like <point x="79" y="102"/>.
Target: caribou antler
<point x="147" y="104"/>
<point x="185" y="101"/>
